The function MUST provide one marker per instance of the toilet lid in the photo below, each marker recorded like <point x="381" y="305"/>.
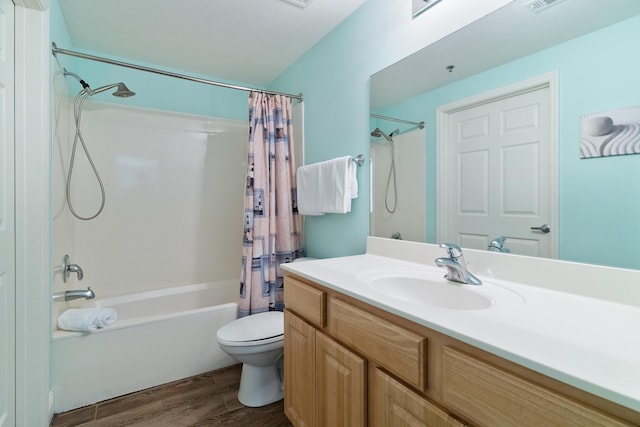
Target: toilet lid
<point x="256" y="327"/>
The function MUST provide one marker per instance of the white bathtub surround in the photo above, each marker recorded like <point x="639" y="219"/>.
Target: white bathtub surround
<point x="155" y="241"/>
<point x="160" y="336"/>
<point x="569" y="321"/>
<point x="174" y="194"/>
<point x="87" y="319"/>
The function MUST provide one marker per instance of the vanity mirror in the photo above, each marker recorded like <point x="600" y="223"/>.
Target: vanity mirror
<point x="587" y="47"/>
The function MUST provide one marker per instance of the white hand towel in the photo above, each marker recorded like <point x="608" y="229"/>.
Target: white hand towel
<point x="327" y="187"/>
<point x="86" y="319"/>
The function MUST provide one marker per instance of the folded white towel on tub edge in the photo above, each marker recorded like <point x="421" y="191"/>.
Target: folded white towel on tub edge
<point x="87" y="319"/>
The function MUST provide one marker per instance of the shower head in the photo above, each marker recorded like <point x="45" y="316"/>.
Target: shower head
<point x="377" y="133"/>
<point x="122" y="91"/>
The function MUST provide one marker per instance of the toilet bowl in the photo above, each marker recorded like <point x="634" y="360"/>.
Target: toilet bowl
<point x="257" y="342"/>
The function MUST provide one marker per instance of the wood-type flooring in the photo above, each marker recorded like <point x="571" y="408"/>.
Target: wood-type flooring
<point x="209" y="399"/>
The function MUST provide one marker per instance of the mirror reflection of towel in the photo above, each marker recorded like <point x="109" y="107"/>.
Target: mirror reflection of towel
<point x="327" y="187"/>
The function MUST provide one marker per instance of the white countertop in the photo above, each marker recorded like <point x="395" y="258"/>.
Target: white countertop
<point x="559" y="329"/>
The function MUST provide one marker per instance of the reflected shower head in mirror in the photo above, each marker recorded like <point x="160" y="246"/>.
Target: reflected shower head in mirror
<point x="377" y="133"/>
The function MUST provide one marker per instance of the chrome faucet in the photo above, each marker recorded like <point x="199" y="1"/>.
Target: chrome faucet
<point x="67" y="269"/>
<point x="74" y="294"/>
<point x="496" y="245"/>
<point x="456" y="265"/>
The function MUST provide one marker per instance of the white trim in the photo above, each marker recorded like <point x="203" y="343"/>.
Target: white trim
<point x="33" y="219"/>
<point x="443" y="113"/>
<point x="32" y="4"/>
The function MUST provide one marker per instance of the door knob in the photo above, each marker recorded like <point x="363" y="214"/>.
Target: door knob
<point x="543" y="228"/>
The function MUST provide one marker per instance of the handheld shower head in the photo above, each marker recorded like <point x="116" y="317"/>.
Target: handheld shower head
<point x="377" y="133"/>
<point x="122" y="91"/>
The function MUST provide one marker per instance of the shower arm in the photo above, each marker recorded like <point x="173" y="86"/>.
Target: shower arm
<point x="84" y="84"/>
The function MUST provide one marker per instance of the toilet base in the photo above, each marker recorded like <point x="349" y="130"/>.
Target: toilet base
<point x="260" y="385"/>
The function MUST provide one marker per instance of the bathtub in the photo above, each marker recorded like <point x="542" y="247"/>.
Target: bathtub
<point x="160" y="336"/>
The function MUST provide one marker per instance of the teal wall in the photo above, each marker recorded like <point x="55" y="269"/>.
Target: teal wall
<point x="596" y="72"/>
<point x="597" y="206"/>
<point x="334" y="78"/>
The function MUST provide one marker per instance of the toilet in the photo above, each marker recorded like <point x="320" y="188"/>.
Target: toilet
<point x="257" y="342"/>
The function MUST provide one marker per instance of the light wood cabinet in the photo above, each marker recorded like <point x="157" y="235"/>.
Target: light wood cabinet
<point x="299" y="371"/>
<point x="394" y="405"/>
<point x="348" y="363"/>
<point x="325" y="384"/>
<point x="341" y="385"/>
<point x="397" y="349"/>
<point x="487" y="395"/>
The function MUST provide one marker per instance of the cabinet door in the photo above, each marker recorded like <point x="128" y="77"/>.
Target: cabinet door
<point x="489" y="396"/>
<point x="394" y="405"/>
<point x="299" y="371"/>
<point x="341" y="384"/>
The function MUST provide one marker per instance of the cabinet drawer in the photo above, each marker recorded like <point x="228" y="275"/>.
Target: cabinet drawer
<point x="305" y="300"/>
<point x="489" y="396"/>
<point x="394" y="405"/>
<point x="396" y="349"/>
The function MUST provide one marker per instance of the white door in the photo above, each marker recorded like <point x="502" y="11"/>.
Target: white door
<point x="7" y="224"/>
<point x="500" y="172"/>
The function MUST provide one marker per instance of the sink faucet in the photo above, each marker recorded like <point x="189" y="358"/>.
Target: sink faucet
<point x="456" y="265"/>
<point x="74" y="294"/>
<point x="496" y="245"/>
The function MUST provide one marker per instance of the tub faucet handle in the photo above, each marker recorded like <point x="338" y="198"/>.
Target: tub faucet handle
<point x="67" y="269"/>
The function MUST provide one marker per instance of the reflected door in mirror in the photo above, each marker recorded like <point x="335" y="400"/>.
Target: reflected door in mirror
<point x="498" y="173"/>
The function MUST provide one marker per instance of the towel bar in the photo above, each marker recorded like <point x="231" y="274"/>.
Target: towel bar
<point x="358" y="160"/>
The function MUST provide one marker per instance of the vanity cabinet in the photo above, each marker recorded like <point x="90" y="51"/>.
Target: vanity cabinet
<point x="326" y="382"/>
<point x="392" y="404"/>
<point x="348" y="363"/>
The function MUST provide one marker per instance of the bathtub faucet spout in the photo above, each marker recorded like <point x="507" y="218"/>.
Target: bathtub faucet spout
<point x="74" y="294"/>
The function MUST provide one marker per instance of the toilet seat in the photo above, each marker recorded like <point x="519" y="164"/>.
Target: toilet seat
<point x="256" y="329"/>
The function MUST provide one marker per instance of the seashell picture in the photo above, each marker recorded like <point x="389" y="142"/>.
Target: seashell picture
<point x="610" y="133"/>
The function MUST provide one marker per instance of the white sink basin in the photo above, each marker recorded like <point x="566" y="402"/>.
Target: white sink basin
<point x="432" y="289"/>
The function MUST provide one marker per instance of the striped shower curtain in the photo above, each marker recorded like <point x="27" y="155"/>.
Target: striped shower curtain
<point x="272" y="226"/>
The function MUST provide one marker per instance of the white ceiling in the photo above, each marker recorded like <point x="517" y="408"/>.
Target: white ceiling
<point x="509" y="33"/>
<point x="250" y="41"/>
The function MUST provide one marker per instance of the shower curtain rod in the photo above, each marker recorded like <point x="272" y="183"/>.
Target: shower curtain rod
<point x="378" y="116"/>
<point x="56" y="50"/>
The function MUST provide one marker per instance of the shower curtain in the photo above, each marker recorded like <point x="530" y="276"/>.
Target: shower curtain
<point x="272" y="226"/>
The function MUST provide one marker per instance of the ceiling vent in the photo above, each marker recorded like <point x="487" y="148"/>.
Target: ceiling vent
<point x="538" y="6"/>
<point x="299" y="3"/>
